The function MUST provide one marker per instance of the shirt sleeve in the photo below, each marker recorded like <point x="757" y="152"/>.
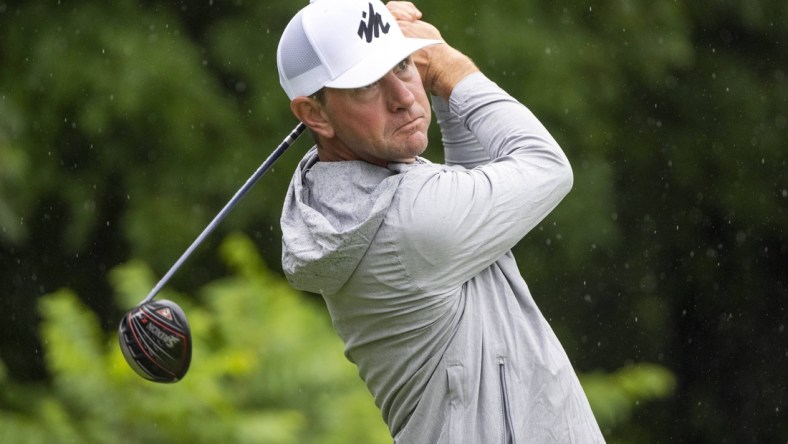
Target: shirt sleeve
<point x="460" y="146"/>
<point x="458" y="221"/>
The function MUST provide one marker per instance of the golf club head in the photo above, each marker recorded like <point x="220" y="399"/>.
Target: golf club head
<point x="156" y="341"/>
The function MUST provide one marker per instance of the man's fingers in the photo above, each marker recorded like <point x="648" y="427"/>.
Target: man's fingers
<point x="419" y="29"/>
<point x="404" y="11"/>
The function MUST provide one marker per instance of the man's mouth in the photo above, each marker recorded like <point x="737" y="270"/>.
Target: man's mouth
<point x="411" y="125"/>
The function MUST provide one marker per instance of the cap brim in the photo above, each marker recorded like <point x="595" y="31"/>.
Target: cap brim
<point x="371" y="69"/>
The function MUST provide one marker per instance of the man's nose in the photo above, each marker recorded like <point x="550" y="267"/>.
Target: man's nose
<point x="398" y="95"/>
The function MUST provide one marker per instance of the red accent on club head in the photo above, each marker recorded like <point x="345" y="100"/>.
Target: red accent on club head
<point x="165" y="313"/>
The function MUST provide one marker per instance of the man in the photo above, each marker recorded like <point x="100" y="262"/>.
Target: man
<point x="413" y="258"/>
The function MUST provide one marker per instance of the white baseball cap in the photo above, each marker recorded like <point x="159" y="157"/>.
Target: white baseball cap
<point x="341" y="44"/>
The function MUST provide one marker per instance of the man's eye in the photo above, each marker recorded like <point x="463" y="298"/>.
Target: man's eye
<point x="403" y="65"/>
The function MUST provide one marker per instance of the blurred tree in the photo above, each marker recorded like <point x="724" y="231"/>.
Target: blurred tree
<point x="122" y="139"/>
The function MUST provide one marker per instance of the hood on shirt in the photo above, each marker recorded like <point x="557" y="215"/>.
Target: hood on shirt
<point x="331" y="214"/>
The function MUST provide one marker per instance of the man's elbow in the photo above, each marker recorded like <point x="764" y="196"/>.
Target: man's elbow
<point x="567" y="178"/>
<point x="564" y="175"/>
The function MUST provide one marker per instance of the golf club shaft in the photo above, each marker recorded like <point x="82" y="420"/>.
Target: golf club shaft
<point x="227" y="208"/>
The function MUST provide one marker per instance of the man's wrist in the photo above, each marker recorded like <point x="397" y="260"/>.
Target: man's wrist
<point x="451" y="67"/>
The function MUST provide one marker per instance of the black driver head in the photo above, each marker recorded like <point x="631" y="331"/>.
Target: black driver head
<point x="156" y="341"/>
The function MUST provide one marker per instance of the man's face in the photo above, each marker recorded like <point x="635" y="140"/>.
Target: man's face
<point x="386" y="121"/>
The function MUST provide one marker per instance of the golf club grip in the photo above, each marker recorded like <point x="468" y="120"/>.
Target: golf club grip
<point x="264" y="167"/>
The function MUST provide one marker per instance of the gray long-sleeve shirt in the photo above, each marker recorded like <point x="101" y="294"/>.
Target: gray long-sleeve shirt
<point x="414" y="264"/>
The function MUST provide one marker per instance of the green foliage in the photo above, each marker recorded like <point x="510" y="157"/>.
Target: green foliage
<point x="267" y="368"/>
<point x="132" y="111"/>
<point x="614" y="396"/>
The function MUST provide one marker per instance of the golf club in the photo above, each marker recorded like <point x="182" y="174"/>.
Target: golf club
<point x="154" y="336"/>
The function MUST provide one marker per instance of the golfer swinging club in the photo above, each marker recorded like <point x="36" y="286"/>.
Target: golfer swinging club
<point x="413" y="258"/>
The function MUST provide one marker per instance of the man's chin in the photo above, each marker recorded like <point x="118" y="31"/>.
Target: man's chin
<point x="417" y="143"/>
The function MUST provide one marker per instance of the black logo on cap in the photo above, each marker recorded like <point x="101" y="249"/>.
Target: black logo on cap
<point x="372" y="29"/>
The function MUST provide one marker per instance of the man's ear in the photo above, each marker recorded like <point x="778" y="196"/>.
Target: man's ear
<point x="313" y="115"/>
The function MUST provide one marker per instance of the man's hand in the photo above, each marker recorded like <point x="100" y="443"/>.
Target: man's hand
<point x="441" y="67"/>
